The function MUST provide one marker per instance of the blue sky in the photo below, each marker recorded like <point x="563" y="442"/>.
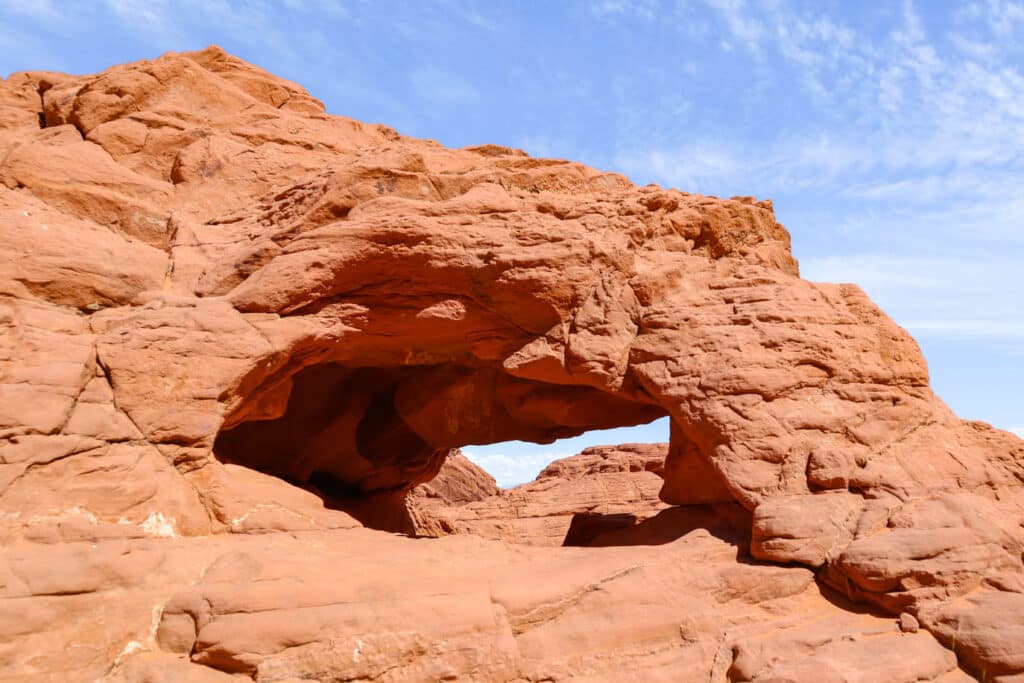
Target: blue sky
<point x="890" y="135"/>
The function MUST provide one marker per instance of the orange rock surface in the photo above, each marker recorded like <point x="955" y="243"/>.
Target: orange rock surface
<point x="237" y="330"/>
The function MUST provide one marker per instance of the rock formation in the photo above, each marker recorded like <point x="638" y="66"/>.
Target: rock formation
<point x="237" y="329"/>
<point x="603" y="487"/>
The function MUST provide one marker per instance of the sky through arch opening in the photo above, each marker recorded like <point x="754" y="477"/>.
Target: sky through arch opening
<point x="512" y="463"/>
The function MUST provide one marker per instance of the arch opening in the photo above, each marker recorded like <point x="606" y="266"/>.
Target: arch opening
<point x="361" y="437"/>
<point x="514" y="463"/>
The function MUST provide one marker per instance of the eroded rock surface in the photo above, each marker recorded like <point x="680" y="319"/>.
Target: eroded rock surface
<point x="235" y="328"/>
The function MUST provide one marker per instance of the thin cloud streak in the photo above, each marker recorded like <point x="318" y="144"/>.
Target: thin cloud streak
<point x="511" y="470"/>
<point x="906" y="108"/>
<point x="955" y="298"/>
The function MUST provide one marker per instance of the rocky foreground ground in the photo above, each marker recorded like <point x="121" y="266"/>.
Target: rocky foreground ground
<point x="241" y="337"/>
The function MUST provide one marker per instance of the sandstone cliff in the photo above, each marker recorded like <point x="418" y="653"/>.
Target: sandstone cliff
<point x="236" y="329"/>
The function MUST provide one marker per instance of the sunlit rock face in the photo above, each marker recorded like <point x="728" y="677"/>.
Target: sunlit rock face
<point x="237" y="329"/>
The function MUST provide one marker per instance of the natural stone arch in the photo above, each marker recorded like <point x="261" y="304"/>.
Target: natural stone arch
<point x="234" y="244"/>
<point x="801" y="401"/>
<point x="703" y="341"/>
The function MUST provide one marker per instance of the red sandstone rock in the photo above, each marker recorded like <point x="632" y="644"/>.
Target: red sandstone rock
<point x="459" y="481"/>
<point x="616" y="484"/>
<point x="227" y="313"/>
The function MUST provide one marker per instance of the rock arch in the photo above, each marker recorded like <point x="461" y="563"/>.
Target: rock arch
<point x="259" y="275"/>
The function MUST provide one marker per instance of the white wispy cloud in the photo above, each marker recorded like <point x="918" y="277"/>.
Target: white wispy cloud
<point x="744" y="26"/>
<point x="915" y="130"/>
<point x="645" y="9"/>
<point x="1019" y="431"/>
<point x="952" y="297"/>
<point x="1004" y="17"/>
<point x="43" y="10"/>
<point x="149" y="13"/>
<point x="437" y="84"/>
<point x="905" y="106"/>
<point x="512" y="469"/>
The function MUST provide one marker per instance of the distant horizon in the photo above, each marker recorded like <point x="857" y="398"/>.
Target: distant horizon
<point x="887" y="135"/>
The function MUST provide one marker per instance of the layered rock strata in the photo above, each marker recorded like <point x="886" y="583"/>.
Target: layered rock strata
<point x="231" y="319"/>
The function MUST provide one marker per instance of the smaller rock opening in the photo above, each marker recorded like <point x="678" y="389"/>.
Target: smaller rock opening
<point x="597" y="491"/>
<point x="513" y="463"/>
